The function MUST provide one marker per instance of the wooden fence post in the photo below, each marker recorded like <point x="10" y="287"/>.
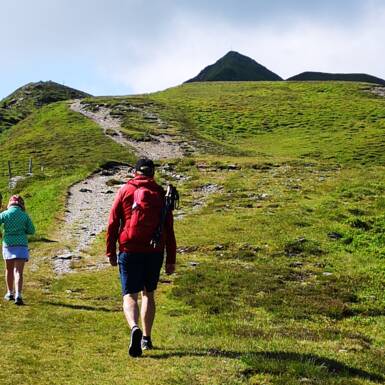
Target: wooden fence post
<point x="9" y="169"/>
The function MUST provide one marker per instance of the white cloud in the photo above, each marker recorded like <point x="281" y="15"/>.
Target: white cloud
<point x="193" y="43"/>
<point x="122" y="46"/>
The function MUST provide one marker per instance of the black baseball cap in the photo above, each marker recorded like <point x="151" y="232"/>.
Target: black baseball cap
<point x="145" y="166"/>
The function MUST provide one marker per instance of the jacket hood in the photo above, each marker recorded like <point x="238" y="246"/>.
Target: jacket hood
<point x="144" y="181"/>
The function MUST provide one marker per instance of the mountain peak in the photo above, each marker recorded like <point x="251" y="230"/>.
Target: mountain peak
<point x="235" y="67"/>
<point x="44" y="92"/>
<point x="233" y="54"/>
<point x="24" y="100"/>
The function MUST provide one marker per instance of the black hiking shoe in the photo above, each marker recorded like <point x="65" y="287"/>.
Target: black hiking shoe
<point x="147" y="343"/>
<point x="19" y="301"/>
<point x="135" y="347"/>
<point x="9" y="297"/>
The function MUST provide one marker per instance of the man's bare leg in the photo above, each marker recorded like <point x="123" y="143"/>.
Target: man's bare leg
<point x="131" y="309"/>
<point x="131" y="312"/>
<point x="147" y="312"/>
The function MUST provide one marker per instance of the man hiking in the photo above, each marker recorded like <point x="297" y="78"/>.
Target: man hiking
<point x="135" y="222"/>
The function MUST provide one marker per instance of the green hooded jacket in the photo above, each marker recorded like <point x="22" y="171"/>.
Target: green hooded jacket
<point x="17" y="224"/>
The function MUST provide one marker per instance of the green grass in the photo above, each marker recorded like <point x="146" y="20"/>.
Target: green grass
<point x="281" y="280"/>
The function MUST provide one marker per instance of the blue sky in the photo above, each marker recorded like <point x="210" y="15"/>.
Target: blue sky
<point x="115" y="47"/>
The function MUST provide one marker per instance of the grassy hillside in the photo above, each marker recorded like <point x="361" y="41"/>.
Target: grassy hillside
<point x="340" y="122"/>
<point x="280" y="272"/>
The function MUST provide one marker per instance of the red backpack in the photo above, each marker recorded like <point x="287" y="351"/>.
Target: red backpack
<point x="146" y="214"/>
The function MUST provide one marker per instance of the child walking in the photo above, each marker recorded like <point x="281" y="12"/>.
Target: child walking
<point x="17" y="225"/>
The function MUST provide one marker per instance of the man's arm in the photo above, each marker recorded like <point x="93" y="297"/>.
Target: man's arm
<point x="113" y="228"/>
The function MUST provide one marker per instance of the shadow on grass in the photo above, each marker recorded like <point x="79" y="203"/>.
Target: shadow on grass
<point x="83" y="307"/>
<point x="278" y="362"/>
<point x="366" y="313"/>
<point x="41" y="239"/>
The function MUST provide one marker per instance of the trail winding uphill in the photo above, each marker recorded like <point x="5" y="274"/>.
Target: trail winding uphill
<point x="160" y="147"/>
<point x="90" y="200"/>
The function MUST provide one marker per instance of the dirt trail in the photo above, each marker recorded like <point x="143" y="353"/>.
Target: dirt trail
<point x="160" y="147"/>
<point x="88" y="205"/>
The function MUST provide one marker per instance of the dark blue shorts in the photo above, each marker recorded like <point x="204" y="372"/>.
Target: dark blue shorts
<point x="139" y="271"/>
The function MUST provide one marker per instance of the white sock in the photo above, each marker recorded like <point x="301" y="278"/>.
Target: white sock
<point x="17" y="294"/>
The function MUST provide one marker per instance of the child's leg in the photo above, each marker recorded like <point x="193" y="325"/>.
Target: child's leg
<point x="9" y="274"/>
<point x="19" y="269"/>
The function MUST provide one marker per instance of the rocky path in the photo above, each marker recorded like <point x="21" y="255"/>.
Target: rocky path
<point x="160" y="147"/>
<point x="88" y="205"/>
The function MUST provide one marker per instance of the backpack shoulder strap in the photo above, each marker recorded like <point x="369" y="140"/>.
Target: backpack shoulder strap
<point x="131" y="182"/>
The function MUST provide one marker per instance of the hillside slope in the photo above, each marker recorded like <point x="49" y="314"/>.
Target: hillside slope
<point x="340" y="122"/>
<point x="235" y="67"/>
<point x="26" y="99"/>
<point x="336" y="122"/>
